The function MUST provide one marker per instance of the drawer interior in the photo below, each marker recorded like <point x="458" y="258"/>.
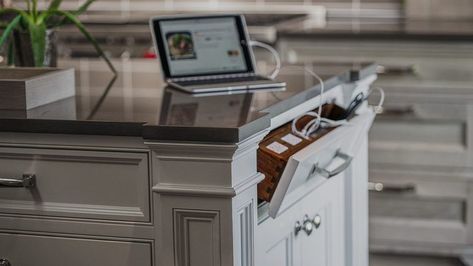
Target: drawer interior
<point x="304" y="169"/>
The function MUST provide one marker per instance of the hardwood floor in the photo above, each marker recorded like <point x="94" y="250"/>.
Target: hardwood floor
<point x="406" y="260"/>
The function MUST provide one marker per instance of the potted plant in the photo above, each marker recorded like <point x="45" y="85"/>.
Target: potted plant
<point x="29" y="33"/>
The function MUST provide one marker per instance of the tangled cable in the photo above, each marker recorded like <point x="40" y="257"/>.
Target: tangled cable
<point x="318" y="122"/>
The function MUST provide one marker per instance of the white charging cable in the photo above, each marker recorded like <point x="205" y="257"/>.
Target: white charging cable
<point x="275" y="54"/>
<point x="318" y="120"/>
<point x="379" y="108"/>
<point x="313" y="125"/>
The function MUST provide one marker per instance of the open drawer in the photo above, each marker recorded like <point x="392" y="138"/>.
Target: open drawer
<point x="319" y="161"/>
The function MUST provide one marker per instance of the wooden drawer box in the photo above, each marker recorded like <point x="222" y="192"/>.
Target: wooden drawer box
<point x="27" y="250"/>
<point x="77" y="184"/>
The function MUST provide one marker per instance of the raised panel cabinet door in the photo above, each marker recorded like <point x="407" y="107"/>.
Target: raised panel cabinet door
<point x="310" y="233"/>
<point x="321" y="240"/>
<point x="31" y="250"/>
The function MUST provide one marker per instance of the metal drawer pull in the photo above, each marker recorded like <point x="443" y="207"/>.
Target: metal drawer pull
<point x="398" y="70"/>
<point x="380" y="187"/>
<point x="26" y="181"/>
<point x="4" y="262"/>
<point x="308" y="225"/>
<point x="399" y="111"/>
<point x="328" y="174"/>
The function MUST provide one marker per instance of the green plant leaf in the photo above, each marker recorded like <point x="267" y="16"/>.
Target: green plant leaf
<point x="38" y="42"/>
<point x="10" y="55"/>
<point x="9" y="29"/>
<point x="76" y="13"/>
<point x="72" y="18"/>
<point x="35" y="9"/>
<point x="28" y="6"/>
<point x="54" y="5"/>
<point x="83" y="7"/>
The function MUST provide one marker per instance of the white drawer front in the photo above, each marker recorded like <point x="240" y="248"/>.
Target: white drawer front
<point x="314" y="164"/>
<point x="77" y="184"/>
<point x="28" y="250"/>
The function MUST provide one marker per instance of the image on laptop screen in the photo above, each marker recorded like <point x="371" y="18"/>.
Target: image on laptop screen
<point x="200" y="46"/>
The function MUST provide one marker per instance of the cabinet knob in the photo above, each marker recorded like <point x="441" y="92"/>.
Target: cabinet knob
<point x="308" y="225"/>
<point x="4" y="262"/>
<point x="317" y="221"/>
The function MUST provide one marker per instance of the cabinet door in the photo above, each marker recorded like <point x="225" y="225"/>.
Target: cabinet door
<point x="279" y="242"/>
<point x="324" y="245"/>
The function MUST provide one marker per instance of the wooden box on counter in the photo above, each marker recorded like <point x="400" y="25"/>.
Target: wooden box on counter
<point x="27" y="88"/>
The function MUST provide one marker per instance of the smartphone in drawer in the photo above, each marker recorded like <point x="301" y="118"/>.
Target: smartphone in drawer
<point x="97" y="185"/>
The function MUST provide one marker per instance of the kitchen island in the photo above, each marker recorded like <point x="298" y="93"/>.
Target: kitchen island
<point x="421" y="146"/>
<point x="133" y="174"/>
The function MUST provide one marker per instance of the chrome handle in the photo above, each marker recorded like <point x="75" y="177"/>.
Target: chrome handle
<point x="399" y="112"/>
<point x="398" y="70"/>
<point x="4" y="262"/>
<point x="26" y="181"/>
<point x="327" y="173"/>
<point x="380" y="187"/>
<point x="308" y="225"/>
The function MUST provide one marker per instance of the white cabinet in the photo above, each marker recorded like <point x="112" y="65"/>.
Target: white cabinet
<point x="308" y="235"/>
<point x="315" y="224"/>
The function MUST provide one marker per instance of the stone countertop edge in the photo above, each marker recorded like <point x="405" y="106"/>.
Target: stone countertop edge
<point x="238" y="134"/>
<point x="168" y="133"/>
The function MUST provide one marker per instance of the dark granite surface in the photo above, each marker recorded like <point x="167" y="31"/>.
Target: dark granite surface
<point x="162" y="113"/>
<point x="399" y="29"/>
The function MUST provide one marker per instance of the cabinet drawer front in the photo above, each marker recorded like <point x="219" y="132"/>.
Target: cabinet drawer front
<point x="420" y="207"/>
<point x="429" y="134"/>
<point x="27" y="250"/>
<point x="331" y="152"/>
<point x="77" y="184"/>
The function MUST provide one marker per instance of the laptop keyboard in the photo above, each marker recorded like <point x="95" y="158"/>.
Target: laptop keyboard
<point x="221" y="80"/>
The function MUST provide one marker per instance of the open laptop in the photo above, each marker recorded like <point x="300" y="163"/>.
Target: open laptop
<point x="202" y="54"/>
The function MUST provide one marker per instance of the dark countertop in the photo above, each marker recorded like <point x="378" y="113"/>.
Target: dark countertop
<point x="363" y="28"/>
<point x="161" y="113"/>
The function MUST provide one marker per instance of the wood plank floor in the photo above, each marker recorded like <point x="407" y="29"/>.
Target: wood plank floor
<point x="404" y="260"/>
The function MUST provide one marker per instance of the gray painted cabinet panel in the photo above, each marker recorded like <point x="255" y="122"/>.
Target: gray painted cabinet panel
<point x="79" y="184"/>
<point x="31" y="250"/>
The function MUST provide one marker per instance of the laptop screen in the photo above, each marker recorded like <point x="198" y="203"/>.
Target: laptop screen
<point x="202" y="46"/>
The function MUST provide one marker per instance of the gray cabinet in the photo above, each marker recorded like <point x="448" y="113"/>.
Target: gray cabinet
<point x="89" y="184"/>
<point x="27" y="250"/>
